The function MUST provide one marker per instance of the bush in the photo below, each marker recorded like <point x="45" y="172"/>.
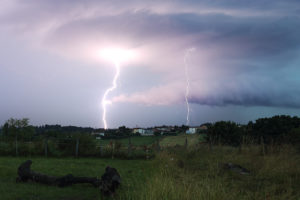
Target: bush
<point x="7" y="148"/>
<point x="87" y="145"/>
<point x="223" y="132"/>
<point x="293" y="137"/>
<point x="274" y="129"/>
<point x="53" y="149"/>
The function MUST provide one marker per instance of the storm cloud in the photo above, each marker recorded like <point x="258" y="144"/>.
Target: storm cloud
<point x="247" y="52"/>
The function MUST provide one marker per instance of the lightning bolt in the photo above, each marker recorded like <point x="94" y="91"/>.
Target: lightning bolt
<point x="105" y="102"/>
<point x="187" y="78"/>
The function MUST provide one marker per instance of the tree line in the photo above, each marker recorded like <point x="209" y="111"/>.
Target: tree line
<point x="279" y="129"/>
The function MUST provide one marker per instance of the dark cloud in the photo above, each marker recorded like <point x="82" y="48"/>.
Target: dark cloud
<point x="279" y="99"/>
<point x="254" y="38"/>
<point x="246" y="51"/>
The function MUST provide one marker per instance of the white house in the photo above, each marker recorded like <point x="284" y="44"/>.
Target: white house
<point x="143" y="132"/>
<point x="98" y="135"/>
<point x="196" y="129"/>
<point x="191" y="130"/>
<point x="148" y="132"/>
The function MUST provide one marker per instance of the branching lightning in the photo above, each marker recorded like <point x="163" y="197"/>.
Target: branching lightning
<point x="187" y="78"/>
<point x="117" y="56"/>
<point x="105" y="102"/>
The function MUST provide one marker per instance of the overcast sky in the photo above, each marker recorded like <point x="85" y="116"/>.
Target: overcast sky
<point x="245" y="63"/>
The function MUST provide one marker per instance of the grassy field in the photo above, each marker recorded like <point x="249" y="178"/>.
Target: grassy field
<point x="133" y="173"/>
<point x="180" y="140"/>
<point x="176" y="173"/>
<point x="137" y="140"/>
<point x="199" y="174"/>
<point x="164" y="140"/>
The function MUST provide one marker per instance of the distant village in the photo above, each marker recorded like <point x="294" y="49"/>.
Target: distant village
<point x="157" y="131"/>
<point x="58" y="131"/>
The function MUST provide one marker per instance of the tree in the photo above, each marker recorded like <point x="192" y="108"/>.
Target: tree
<point x="157" y="133"/>
<point x="293" y="137"/>
<point x="19" y="128"/>
<point x="274" y="129"/>
<point x="123" y="131"/>
<point x="183" y="128"/>
<point x="225" y="132"/>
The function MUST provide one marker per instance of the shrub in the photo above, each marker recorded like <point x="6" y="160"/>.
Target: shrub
<point x="6" y="148"/>
<point x="223" y="132"/>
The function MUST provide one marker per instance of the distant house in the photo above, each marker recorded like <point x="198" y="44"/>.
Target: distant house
<point x="165" y="130"/>
<point x="143" y="132"/>
<point x="202" y="129"/>
<point x="162" y="128"/>
<point x="136" y="130"/>
<point x="148" y="132"/>
<point x="196" y="129"/>
<point x="97" y="135"/>
<point x="191" y="130"/>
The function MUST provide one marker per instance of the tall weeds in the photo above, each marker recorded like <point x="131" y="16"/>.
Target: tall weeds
<point x="197" y="173"/>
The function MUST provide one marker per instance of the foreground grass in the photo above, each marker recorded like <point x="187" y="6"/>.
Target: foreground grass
<point x="135" y="140"/>
<point x="180" y="140"/>
<point x="196" y="173"/>
<point x="133" y="173"/>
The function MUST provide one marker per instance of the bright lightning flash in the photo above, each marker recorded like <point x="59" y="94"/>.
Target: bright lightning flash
<point x="105" y="102"/>
<point x="187" y="90"/>
<point x="117" y="56"/>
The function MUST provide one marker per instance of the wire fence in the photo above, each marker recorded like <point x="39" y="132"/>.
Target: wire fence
<point x="145" y="148"/>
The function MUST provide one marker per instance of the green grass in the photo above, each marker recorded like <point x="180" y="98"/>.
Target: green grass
<point x="198" y="174"/>
<point x="136" y="140"/>
<point x="133" y="173"/>
<point x="180" y="140"/>
<point x="176" y="173"/>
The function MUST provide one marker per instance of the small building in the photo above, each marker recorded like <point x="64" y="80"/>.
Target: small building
<point x="165" y="130"/>
<point x="136" y="130"/>
<point x="202" y="129"/>
<point x="191" y="130"/>
<point x="97" y="135"/>
<point x="196" y="129"/>
<point x="148" y="132"/>
<point x="143" y="132"/>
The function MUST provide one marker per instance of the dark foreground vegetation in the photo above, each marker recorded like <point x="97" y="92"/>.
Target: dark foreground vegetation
<point x="19" y="138"/>
<point x="199" y="173"/>
<point x="229" y="161"/>
<point x="175" y="173"/>
<point x="275" y="130"/>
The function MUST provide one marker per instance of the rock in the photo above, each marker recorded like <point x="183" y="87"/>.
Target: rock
<point x="180" y="163"/>
<point x="236" y="168"/>
<point x="110" y="181"/>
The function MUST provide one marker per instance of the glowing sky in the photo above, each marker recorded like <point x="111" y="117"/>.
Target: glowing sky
<point x="246" y="63"/>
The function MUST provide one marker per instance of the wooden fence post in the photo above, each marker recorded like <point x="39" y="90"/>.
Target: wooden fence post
<point x="46" y="147"/>
<point x="147" y="153"/>
<point x="157" y="146"/>
<point x="262" y="145"/>
<point x="77" y="147"/>
<point x="271" y="149"/>
<point x="17" y="152"/>
<point x="186" y="142"/>
<point x="101" y="151"/>
<point x="241" y="144"/>
<point x="129" y="147"/>
<point x="210" y="143"/>
<point x="113" y="150"/>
